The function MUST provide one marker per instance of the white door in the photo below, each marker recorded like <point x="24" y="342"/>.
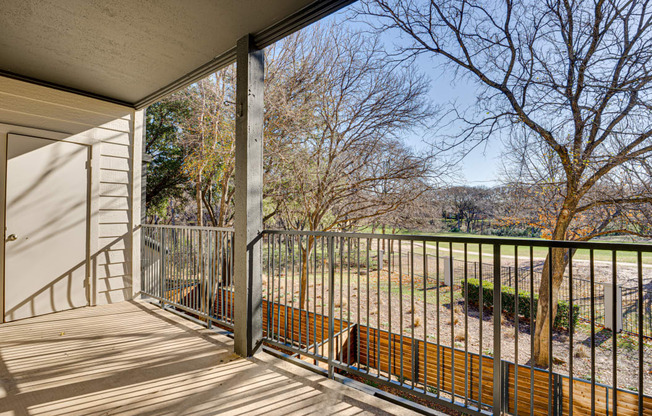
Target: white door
<point x="46" y="226"/>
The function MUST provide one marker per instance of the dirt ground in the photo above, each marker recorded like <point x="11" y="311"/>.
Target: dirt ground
<point x="402" y="303"/>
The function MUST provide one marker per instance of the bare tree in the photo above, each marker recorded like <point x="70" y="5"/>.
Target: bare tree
<point x="467" y="204"/>
<point x="209" y="137"/>
<point x="346" y="161"/>
<point x="574" y="75"/>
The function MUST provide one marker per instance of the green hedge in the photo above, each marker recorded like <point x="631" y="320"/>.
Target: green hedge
<point x="509" y="302"/>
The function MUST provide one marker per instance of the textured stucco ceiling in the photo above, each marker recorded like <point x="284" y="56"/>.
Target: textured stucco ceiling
<point x="125" y="49"/>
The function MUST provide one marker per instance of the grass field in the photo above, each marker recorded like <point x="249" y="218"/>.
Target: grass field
<point x="473" y="250"/>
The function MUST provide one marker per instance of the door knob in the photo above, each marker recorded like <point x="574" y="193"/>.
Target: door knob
<point x="12" y="237"/>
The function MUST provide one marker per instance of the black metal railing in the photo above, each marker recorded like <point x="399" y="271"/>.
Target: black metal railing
<point x="420" y="313"/>
<point x="581" y="287"/>
<point x="381" y="307"/>
<point x="189" y="268"/>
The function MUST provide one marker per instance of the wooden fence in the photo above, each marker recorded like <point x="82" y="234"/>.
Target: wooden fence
<point x="441" y="368"/>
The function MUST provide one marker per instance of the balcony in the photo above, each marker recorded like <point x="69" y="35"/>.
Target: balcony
<point x="132" y="358"/>
<point x="403" y="313"/>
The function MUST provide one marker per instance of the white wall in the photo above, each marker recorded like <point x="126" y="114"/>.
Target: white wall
<point x="114" y="134"/>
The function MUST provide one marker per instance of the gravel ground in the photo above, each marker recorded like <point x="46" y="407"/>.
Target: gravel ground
<point x="420" y="312"/>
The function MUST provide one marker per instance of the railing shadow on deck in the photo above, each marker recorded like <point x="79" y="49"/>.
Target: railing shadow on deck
<point x="391" y="352"/>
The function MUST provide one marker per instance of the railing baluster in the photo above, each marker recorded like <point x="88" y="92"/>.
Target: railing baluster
<point x="425" y="318"/>
<point x="571" y="315"/>
<point x="182" y="255"/>
<point x="466" y="328"/>
<point x="314" y="303"/>
<point x="358" y="315"/>
<point x="306" y="290"/>
<point x="439" y="385"/>
<point x="163" y="258"/>
<point x="278" y="305"/>
<point x="413" y="345"/>
<point x="639" y="261"/>
<point x="592" y="280"/>
<point x="323" y="313"/>
<point x="532" y="329"/>
<point x="348" y="301"/>
<point x="481" y="325"/>
<point x="550" y="324"/>
<point x="497" y="376"/>
<point x="285" y="289"/>
<point x="297" y="250"/>
<point x="331" y="304"/>
<point x="341" y="328"/>
<point x="614" y="332"/>
<point x="378" y="276"/>
<point x="270" y="290"/>
<point x="516" y="329"/>
<point x="400" y="309"/>
<point x="368" y="277"/>
<point x="451" y="303"/>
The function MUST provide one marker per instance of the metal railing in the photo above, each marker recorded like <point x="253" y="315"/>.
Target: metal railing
<point x="376" y="306"/>
<point x="189" y="268"/>
<point x="340" y="299"/>
<point x="581" y="288"/>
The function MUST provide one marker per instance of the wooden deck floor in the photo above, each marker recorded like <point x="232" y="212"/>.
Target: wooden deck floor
<point x="132" y="358"/>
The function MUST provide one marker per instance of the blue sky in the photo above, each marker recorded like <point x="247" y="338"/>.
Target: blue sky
<point x="482" y="165"/>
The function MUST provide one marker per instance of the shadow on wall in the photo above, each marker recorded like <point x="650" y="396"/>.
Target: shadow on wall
<point x="48" y="291"/>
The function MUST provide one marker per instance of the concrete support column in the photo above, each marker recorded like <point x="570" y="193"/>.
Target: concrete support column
<point x="248" y="219"/>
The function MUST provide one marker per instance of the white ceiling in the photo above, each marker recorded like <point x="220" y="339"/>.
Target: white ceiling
<point x="127" y="50"/>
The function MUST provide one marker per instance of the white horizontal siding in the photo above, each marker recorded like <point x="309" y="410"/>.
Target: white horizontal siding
<point x="114" y="230"/>
<point x="114" y="283"/>
<point x="114" y="217"/>
<point x="39" y="122"/>
<point x="63" y="99"/>
<point x="110" y="243"/>
<point x="109" y="129"/>
<point x="114" y="176"/>
<point x="114" y="189"/>
<point x="68" y="114"/>
<point x="112" y="270"/>
<point x="113" y="296"/>
<point x="115" y="149"/>
<point x="111" y="257"/>
<point x="110" y="136"/>
<point x="115" y="163"/>
<point x="115" y="203"/>
<point x="114" y="264"/>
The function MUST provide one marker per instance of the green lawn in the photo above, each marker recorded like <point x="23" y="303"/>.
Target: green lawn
<point x="523" y="252"/>
<point x="538" y="252"/>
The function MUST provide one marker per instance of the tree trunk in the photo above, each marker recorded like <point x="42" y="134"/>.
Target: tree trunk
<point x="557" y="259"/>
<point x="198" y="198"/>
<point x="542" y="330"/>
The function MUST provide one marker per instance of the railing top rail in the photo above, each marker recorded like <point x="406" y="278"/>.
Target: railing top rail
<point x="504" y="241"/>
<point x="188" y="227"/>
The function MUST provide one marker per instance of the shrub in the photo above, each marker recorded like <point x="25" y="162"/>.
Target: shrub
<point x="509" y="302"/>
